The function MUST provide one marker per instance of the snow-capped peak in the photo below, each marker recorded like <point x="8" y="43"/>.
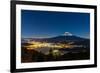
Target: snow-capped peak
<point x="67" y="34"/>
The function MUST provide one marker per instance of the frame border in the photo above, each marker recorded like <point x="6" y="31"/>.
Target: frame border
<point x="13" y="35"/>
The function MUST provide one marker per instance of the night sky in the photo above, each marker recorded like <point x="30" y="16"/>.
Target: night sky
<point x="42" y="24"/>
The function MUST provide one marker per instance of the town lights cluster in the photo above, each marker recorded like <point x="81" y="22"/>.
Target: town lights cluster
<point x="35" y="45"/>
<point x="45" y="44"/>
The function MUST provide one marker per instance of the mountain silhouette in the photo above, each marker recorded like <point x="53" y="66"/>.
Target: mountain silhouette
<point x="64" y="38"/>
<point x="60" y="38"/>
<point x="73" y="38"/>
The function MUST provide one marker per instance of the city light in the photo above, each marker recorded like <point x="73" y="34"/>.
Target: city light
<point x="36" y="45"/>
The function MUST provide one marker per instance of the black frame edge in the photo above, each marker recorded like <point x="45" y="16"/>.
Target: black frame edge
<point x="13" y="36"/>
<point x="56" y="68"/>
<point x="55" y="4"/>
<point x="95" y="36"/>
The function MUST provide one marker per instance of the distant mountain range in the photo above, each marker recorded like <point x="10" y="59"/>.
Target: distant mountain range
<point x="57" y="39"/>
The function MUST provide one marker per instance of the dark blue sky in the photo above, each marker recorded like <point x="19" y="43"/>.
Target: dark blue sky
<point x="48" y="24"/>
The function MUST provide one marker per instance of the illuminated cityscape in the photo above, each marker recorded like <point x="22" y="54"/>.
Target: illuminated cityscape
<point x="36" y="45"/>
<point x="46" y="50"/>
